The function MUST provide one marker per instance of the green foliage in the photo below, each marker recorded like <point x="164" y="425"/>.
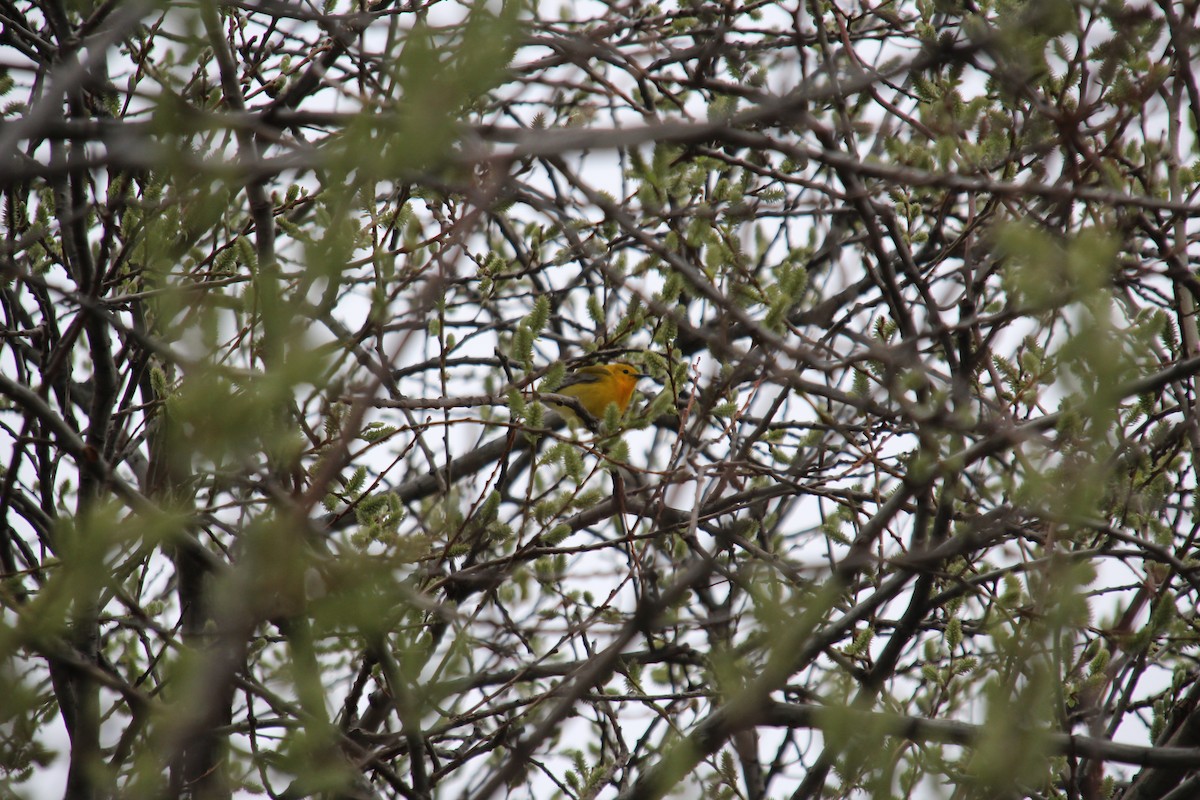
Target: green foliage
<point x="595" y="311"/>
<point x="306" y="753"/>
<point x="954" y="633"/>
<point x="954" y="266"/>
<point x="1043" y="274"/>
<point x="522" y="345"/>
<point x="21" y="752"/>
<point x="1012" y="755"/>
<point x="536" y="321"/>
<point x="862" y="641"/>
<point x="439" y="74"/>
<point x="376" y="432"/>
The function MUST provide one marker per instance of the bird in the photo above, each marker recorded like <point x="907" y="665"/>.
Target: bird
<point x="597" y="385"/>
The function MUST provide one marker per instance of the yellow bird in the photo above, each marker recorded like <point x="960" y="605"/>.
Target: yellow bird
<point x="596" y="386"/>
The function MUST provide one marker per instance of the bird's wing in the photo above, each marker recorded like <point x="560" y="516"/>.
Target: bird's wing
<point x="579" y="377"/>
